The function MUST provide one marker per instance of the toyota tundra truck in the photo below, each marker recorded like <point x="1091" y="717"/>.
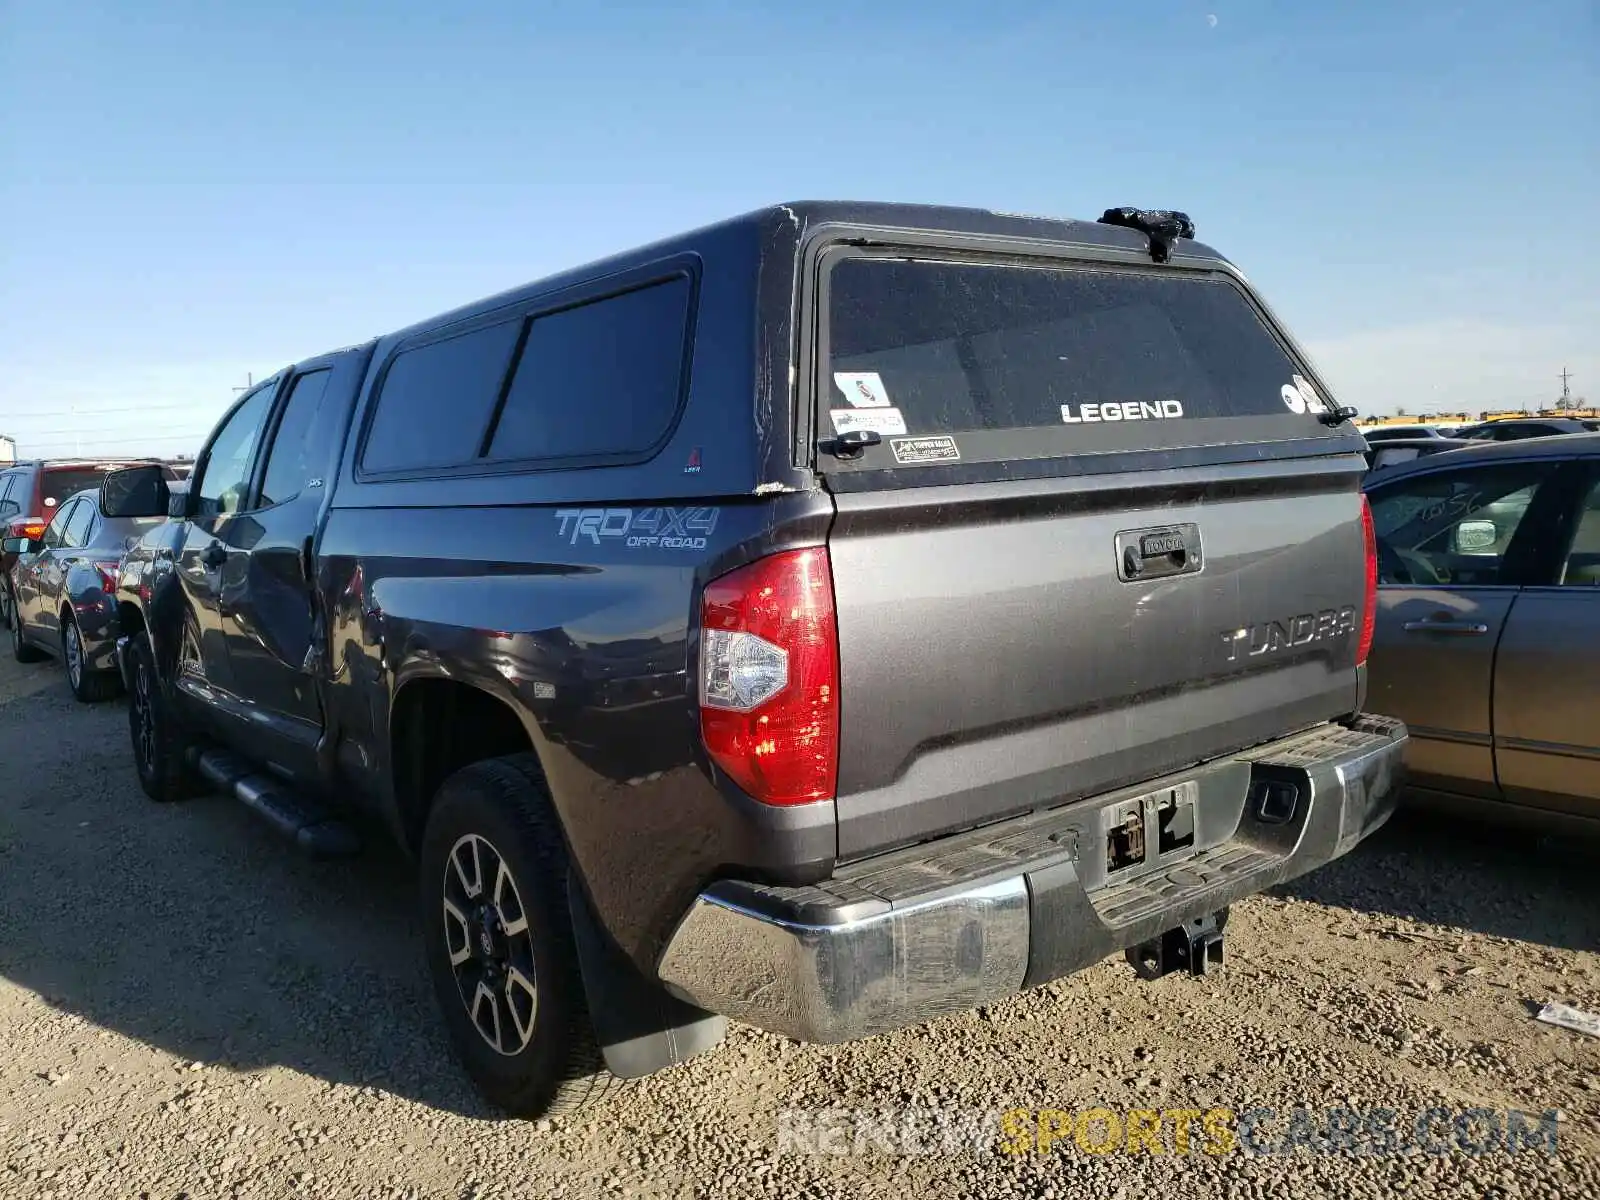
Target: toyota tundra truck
<point x="837" y="617"/>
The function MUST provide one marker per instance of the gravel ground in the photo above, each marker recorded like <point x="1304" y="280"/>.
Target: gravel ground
<point x="188" y="1009"/>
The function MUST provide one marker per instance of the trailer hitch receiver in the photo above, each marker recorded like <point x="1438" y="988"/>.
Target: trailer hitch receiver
<point x="1195" y="947"/>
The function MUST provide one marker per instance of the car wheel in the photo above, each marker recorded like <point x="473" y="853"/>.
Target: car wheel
<point x="159" y="742"/>
<point x="21" y="648"/>
<point x="89" y="687"/>
<point x="499" y="941"/>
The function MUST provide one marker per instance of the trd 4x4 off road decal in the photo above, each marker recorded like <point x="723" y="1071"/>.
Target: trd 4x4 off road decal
<point x="638" y="528"/>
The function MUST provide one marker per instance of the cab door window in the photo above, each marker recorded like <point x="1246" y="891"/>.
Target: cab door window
<point x="290" y="458"/>
<point x="1581" y="567"/>
<point x="1454" y="528"/>
<point x="224" y="479"/>
<point x="76" y="532"/>
<point x="55" y="533"/>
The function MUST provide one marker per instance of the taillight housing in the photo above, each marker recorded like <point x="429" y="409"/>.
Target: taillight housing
<point x="1369" y="610"/>
<point x="769" y="677"/>
<point x="31" y="528"/>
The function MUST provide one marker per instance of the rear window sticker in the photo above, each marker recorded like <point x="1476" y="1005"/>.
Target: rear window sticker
<point x="1293" y="398"/>
<point x="924" y="450"/>
<point x="879" y="420"/>
<point x="1313" y="401"/>
<point x="1127" y="410"/>
<point x="863" y="389"/>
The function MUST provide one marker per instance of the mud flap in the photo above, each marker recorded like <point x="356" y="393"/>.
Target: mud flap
<point x="640" y="1026"/>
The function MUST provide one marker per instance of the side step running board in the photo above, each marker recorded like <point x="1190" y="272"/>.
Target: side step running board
<point x="301" y="820"/>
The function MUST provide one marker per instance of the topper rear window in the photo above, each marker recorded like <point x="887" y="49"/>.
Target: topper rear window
<point x="1073" y="359"/>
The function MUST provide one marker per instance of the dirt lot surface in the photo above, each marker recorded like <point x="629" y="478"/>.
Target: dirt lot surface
<point x="188" y="1009"/>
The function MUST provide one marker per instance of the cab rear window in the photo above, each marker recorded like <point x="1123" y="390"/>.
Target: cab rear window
<point x="1073" y="360"/>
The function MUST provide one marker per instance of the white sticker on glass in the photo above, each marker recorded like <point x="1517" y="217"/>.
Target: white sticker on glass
<point x="863" y="389"/>
<point x="1313" y="401"/>
<point x="1293" y="398"/>
<point x="879" y="420"/>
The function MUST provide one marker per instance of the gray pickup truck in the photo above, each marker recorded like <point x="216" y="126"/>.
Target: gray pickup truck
<point x="833" y="618"/>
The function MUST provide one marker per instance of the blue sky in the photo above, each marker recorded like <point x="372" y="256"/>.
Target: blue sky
<point x="193" y="191"/>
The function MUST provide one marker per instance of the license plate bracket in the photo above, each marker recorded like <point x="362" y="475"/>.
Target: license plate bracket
<point x="1146" y="831"/>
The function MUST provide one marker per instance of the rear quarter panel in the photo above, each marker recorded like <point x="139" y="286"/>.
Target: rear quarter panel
<point x="589" y="640"/>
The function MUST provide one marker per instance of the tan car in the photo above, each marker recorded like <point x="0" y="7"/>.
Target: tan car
<point x="1488" y="631"/>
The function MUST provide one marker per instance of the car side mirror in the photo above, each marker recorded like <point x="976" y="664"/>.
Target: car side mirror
<point x="135" y="492"/>
<point x="17" y="545"/>
<point x="1473" y="537"/>
<point x="178" y="503"/>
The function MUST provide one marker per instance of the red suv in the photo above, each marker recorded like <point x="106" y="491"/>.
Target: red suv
<point x="29" y="494"/>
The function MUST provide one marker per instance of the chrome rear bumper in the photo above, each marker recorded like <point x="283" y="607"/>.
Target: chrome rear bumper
<point x="973" y="918"/>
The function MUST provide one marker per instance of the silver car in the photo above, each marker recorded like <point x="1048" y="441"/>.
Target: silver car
<point x="65" y="586"/>
<point x="1487" y="641"/>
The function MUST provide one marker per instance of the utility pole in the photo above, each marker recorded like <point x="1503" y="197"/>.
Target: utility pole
<point x="1566" y="390"/>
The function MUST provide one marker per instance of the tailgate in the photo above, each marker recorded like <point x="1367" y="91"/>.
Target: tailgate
<point x="995" y="657"/>
<point x="1092" y="526"/>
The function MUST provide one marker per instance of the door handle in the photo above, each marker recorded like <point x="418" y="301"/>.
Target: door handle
<point x="214" y="555"/>
<point x="1454" y="628"/>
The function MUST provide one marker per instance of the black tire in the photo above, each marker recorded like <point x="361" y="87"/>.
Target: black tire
<point x="549" y="1064"/>
<point x="24" y="651"/>
<point x="88" y="687"/>
<point x="159" y="741"/>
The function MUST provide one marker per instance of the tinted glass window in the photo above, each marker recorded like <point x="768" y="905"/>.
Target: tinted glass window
<point x="77" y="531"/>
<point x="8" y="506"/>
<point x="225" y="479"/>
<point x="1390" y="455"/>
<point x="62" y="482"/>
<point x="437" y="400"/>
<point x="55" y="534"/>
<point x="942" y="347"/>
<point x="289" y="462"/>
<point x="600" y="379"/>
<point x="1453" y="529"/>
<point x="1582" y="566"/>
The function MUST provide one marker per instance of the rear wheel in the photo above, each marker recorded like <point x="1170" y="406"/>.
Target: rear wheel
<point x="159" y="742"/>
<point x="499" y="941"/>
<point x="21" y="649"/>
<point x="88" y="686"/>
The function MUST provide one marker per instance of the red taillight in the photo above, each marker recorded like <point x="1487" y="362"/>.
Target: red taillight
<point x="1369" y="613"/>
<point x="769" y="677"/>
<point x="31" y="528"/>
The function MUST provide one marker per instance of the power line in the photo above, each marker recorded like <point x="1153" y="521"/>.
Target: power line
<point x="102" y="412"/>
<point x="195" y="439"/>
<point x="72" y="432"/>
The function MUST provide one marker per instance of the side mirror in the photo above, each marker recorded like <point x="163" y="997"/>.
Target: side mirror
<point x="17" y="545"/>
<point x="135" y="492"/>
<point x="1473" y="537"/>
<point x="178" y="499"/>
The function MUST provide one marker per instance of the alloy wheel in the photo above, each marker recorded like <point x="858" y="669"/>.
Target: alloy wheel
<point x="74" y="647"/>
<point x="490" y="945"/>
